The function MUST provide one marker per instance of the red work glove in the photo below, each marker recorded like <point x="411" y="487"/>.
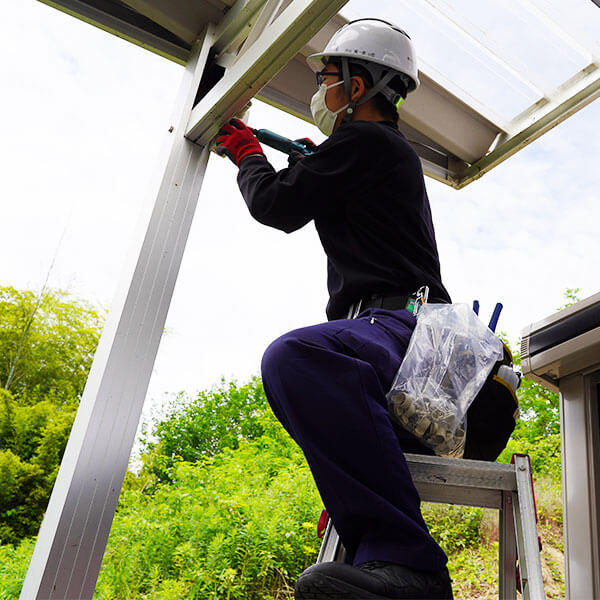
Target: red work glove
<point x="236" y="141"/>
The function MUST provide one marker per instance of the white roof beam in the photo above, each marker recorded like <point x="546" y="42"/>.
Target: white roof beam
<point x="266" y="17"/>
<point x="237" y="23"/>
<point x="278" y="44"/>
<point x="582" y="89"/>
<point x="587" y="79"/>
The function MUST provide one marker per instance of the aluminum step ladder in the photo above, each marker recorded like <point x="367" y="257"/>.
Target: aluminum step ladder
<point x="506" y="487"/>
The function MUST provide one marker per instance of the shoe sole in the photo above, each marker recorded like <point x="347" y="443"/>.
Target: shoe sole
<point x="323" y="587"/>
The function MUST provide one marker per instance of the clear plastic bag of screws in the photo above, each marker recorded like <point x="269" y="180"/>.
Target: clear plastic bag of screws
<point x="450" y="355"/>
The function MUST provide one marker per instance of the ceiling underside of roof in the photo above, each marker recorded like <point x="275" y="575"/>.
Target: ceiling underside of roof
<point x="458" y="135"/>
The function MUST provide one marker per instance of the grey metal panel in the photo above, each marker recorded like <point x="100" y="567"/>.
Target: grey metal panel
<point x="578" y="354"/>
<point x="70" y="546"/>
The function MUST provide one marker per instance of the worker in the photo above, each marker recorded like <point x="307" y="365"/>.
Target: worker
<point x="364" y="189"/>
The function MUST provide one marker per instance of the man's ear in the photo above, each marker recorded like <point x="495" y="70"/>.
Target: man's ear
<point x="358" y="88"/>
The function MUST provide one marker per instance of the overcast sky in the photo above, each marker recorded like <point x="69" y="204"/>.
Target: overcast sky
<point x="83" y="116"/>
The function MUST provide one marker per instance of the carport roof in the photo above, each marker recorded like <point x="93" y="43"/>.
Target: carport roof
<point x="494" y="76"/>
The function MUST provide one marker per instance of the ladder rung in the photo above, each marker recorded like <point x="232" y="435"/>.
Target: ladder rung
<point x="470" y="482"/>
<point x="467" y="496"/>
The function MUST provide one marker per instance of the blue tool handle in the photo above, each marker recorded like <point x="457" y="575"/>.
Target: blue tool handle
<point x="476" y="306"/>
<point x="495" y="317"/>
<point x="279" y="142"/>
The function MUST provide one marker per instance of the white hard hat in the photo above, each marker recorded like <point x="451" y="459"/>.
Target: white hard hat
<point x="373" y="41"/>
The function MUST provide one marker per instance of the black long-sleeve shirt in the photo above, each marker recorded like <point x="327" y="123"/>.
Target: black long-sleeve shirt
<point x="365" y="191"/>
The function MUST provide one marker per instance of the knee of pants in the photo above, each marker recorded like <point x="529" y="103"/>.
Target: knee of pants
<point x="279" y="352"/>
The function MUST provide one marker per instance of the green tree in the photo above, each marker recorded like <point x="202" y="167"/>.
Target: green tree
<point x="46" y="347"/>
<point x="204" y="426"/>
<point x="537" y="432"/>
<point x="47" y="342"/>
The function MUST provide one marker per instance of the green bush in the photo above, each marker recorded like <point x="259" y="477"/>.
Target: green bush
<point x="204" y="426"/>
<point x="454" y="528"/>
<point x="14" y="562"/>
<point x="47" y="342"/>
<point x="236" y="526"/>
<point x="32" y="442"/>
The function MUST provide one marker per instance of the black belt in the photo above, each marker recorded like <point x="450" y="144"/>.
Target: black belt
<point x="385" y="301"/>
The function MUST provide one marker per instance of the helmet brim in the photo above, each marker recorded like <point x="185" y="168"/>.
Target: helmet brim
<point x="320" y="59"/>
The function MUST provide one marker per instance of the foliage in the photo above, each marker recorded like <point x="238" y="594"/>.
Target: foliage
<point x="32" y="442"/>
<point x="571" y="297"/>
<point x="537" y="431"/>
<point x="204" y="426"/>
<point x="454" y="528"/>
<point x="47" y="343"/>
<point x="235" y="526"/>
<point x="240" y="522"/>
<point x="14" y="562"/>
<point x="46" y="347"/>
<point x="225" y="507"/>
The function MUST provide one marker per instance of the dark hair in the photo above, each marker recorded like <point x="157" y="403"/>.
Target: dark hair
<point x="381" y="104"/>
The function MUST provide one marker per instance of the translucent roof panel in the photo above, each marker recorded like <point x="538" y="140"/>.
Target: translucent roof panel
<point x="499" y="57"/>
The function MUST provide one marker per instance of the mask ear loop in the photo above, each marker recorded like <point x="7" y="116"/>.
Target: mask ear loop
<point x="348" y="88"/>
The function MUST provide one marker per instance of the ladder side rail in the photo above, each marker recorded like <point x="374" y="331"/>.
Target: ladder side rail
<point x="507" y="550"/>
<point x="530" y="564"/>
<point x="331" y="549"/>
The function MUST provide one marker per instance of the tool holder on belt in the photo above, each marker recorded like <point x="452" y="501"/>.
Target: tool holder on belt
<point x="455" y="390"/>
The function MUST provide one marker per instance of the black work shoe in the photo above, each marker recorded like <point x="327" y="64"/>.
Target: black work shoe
<point x="375" y="579"/>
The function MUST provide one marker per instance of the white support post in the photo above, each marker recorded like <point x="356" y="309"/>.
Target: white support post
<point x="68" y="554"/>
<point x="580" y="439"/>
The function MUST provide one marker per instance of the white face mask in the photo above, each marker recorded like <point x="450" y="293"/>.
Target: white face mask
<point x="323" y="117"/>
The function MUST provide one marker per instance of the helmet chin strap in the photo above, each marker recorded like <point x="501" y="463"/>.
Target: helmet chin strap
<point x="348" y="88"/>
<point x="380" y="85"/>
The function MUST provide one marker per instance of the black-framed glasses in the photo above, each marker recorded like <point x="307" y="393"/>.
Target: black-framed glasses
<point x="321" y="74"/>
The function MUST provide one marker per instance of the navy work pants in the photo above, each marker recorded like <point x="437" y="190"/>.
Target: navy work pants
<point x="327" y="386"/>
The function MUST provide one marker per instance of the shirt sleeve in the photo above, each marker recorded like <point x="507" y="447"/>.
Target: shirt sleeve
<point x="316" y="186"/>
